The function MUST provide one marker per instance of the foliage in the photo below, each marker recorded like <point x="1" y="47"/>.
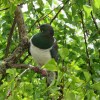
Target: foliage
<point x="78" y="34"/>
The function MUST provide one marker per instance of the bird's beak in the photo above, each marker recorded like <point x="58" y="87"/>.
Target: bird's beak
<point x="38" y="27"/>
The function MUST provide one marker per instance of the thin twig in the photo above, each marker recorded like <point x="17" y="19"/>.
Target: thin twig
<point x="56" y="14"/>
<point x="20" y="75"/>
<point x="4" y="9"/>
<point x="93" y="18"/>
<point x="94" y="21"/>
<point x="9" y="38"/>
<point x="59" y="11"/>
<point x="86" y="45"/>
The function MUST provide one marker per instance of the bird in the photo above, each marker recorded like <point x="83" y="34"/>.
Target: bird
<point x="43" y="47"/>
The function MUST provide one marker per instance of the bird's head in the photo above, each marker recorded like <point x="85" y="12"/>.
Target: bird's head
<point x="47" y="28"/>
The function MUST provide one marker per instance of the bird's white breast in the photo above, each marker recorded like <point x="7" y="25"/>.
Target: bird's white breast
<point x="41" y="56"/>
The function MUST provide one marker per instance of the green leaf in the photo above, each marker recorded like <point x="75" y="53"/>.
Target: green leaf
<point x="79" y="2"/>
<point x="12" y="72"/>
<point x="50" y="2"/>
<point x="12" y="8"/>
<point x="51" y="65"/>
<point x="96" y="86"/>
<point x="91" y="95"/>
<point x="87" y="75"/>
<point x="6" y="2"/>
<point x="87" y="10"/>
<point x="69" y="95"/>
<point x="64" y="52"/>
<point x="74" y="66"/>
<point x="96" y="3"/>
<point x="41" y="4"/>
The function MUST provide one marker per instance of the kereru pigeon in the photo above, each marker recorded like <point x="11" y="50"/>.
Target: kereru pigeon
<point x="43" y="47"/>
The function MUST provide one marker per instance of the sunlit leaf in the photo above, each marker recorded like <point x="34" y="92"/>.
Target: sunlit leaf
<point x="91" y="95"/>
<point x="50" y="2"/>
<point x="51" y="65"/>
<point x="69" y="95"/>
<point x="87" y="10"/>
<point x="96" y="86"/>
<point x="64" y="52"/>
<point x="96" y="3"/>
<point x="41" y="4"/>
<point x="74" y="66"/>
<point x="12" y="72"/>
<point x="87" y="75"/>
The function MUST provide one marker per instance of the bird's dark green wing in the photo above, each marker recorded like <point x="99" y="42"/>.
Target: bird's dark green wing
<point x="54" y="51"/>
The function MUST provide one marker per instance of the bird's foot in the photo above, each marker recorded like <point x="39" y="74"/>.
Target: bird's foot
<point x="43" y="72"/>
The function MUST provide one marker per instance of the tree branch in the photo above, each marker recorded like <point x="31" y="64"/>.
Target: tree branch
<point x="21" y="66"/>
<point x="25" y="66"/>
<point x="23" y="45"/>
<point x="21" y="25"/>
<point x="9" y="38"/>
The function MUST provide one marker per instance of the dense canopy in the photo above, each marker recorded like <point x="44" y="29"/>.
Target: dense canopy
<point x="76" y="25"/>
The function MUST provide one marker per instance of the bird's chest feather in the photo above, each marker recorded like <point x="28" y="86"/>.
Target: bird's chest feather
<point x="41" y="56"/>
